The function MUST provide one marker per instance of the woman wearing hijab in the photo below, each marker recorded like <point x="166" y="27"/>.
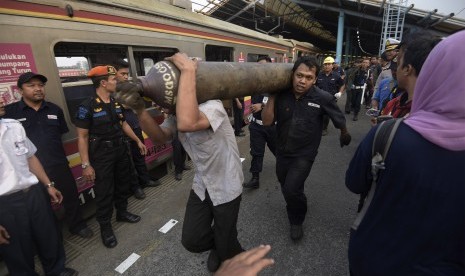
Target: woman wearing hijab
<point x="415" y="224"/>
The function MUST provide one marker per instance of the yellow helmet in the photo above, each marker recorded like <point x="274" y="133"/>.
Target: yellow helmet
<point x="328" y="60"/>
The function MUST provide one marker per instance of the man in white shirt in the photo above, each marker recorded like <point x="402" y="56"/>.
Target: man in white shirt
<point x="210" y="221"/>
<point x="26" y="217"/>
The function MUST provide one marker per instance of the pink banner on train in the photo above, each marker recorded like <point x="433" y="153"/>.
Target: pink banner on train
<point x="15" y="59"/>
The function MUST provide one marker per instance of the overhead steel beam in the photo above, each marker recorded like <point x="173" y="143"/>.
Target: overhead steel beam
<point x="381" y="8"/>
<point x="428" y="16"/>
<point x="442" y="19"/>
<point x="251" y="4"/>
<point x="409" y="8"/>
<point x="357" y="14"/>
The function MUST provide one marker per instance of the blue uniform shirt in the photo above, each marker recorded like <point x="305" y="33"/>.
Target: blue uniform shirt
<point x="44" y="128"/>
<point x="330" y="83"/>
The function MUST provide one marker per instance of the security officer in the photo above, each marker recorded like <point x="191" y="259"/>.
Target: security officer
<point x="259" y="135"/>
<point x="104" y="154"/>
<point x="141" y="176"/>
<point x="299" y="122"/>
<point x="330" y="81"/>
<point x="44" y="123"/>
<point x="390" y="54"/>
<point x="362" y="79"/>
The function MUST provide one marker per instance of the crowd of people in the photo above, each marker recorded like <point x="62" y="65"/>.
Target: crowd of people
<point x="412" y="219"/>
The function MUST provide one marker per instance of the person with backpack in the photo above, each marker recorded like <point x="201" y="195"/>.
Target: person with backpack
<point x="414" y="217"/>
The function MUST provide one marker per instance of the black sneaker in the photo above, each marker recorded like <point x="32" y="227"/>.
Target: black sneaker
<point x="85" y="233"/>
<point x="355" y="117"/>
<point x="213" y="262"/>
<point x="152" y="183"/>
<point x="125" y="216"/>
<point x="139" y="193"/>
<point x="108" y="236"/>
<point x="252" y="184"/>
<point x="296" y="232"/>
<point x="178" y="176"/>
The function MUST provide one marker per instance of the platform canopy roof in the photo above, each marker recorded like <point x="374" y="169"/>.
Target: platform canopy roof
<point x="316" y="21"/>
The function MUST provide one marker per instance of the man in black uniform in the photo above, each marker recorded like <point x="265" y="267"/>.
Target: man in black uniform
<point x="259" y="135"/>
<point x="141" y="176"/>
<point x="105" y="159"/>
<point x="44" y="123"/>
<point x="362" y="80"/>
<point x="299" y="116"/>
<point x="330" y="81"/>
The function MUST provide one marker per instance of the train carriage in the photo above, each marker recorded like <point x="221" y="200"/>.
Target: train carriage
<point x="64" y="39"/>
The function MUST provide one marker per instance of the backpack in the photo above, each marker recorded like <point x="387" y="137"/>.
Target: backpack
<point x="381" y="144"/>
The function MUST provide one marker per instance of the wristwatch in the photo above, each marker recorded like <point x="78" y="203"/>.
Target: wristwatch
<point x="51" y="184"/>
<point x="85" y="165"/>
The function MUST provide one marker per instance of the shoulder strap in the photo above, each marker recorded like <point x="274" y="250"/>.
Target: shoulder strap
<point x="381" y="144"/>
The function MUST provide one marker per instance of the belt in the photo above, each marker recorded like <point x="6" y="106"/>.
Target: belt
<point x="23" y="191"/>
<point x="113" y="143"/>
<point x="109" y="143"/>
<point x="260" y="122"/>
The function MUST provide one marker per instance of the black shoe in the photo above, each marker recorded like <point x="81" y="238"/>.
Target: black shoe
<point x="85" y="233"/>
<point x="252" y="184"/>
<point x="186" y="168"/>
<point x="240" y="134"/>
<point x="125" y="216"/>
<point x="152" y="183"/>
<point x="347" y="112"/>
<point x="69" y="272"/>
<point x="108" y="236"/>
<point x="355" y="117"/>
<point x="324" y="132"/>
<point x="178" y="176"/>
<point x="296" y="232"/>
<point x="213" y="262"/>
<point x="139" y="193"/>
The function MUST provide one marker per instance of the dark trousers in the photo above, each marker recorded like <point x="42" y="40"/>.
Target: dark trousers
<point x="29" y="219"/>
<point x="66" y="184"/>
<point x="238" y="117"/>
<point x="292" y="173"/>
<point x="348" y="105"/>
<point x="198" y="233"/>
<point x="356" y="98"/>
<point x="179" y="155"/>
<point x="138" y="160"/>
<point x="112" y="166"/>
<point x="259" y="137"/>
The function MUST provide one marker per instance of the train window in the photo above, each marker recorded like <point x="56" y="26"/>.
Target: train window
<point x="148" y="63"/>
<point x="72" y="67"/>
<point x="145" y="58"/>
<point x="252" y="57"/>
<point x="255" y="57"/>
<point x="218" y="53"/>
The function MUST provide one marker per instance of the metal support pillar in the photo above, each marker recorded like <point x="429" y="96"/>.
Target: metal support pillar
<point x="347" y="46"/>
<point x="340" y="36"/>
